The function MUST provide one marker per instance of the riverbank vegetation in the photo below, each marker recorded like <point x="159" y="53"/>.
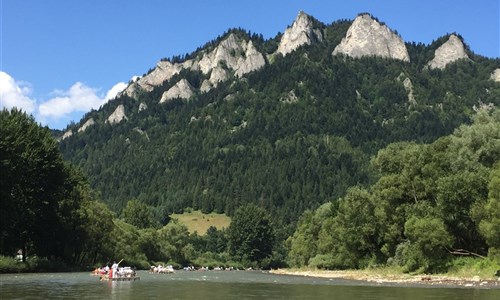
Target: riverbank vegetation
<point x="432" y="205"/>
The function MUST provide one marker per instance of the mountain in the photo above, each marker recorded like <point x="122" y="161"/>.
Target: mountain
<point x="287" y="123"/>
<point x="368" y="37"/>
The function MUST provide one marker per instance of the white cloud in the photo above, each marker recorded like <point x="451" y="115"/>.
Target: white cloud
<point x="111" y="94"/>
<point x="78" y="99"/>
<point x="15" y="94"/>
<point x="63" y="106"/>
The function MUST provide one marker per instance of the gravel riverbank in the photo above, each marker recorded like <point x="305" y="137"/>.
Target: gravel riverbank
<point x="373" y="276"/>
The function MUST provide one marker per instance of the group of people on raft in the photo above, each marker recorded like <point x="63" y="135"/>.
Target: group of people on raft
<point x="162" y="269"/>
<point x="115" y="271"/>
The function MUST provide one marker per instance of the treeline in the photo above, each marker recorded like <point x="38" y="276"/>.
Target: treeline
<point x="52" y="216"/>
<point x="431" y="202"/>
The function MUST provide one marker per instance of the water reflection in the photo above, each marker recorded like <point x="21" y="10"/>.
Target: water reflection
<point x="118" y="289"/>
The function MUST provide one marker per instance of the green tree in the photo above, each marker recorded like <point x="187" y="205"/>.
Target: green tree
<point x="97" y="232"/>
<point x="174" y="237"/>
<point x="250" y="234"/>
<point x="216" y="241"/>
<point x="355" y="230"/>
<point x="31" y="186"/>
<point x="489" y="226"/>
<point x="428" y="241"/>
<point x="138" y="214"/>
<point x="307" y="242"/>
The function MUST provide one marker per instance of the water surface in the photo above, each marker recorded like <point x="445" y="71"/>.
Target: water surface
<point x="219" y="285"/>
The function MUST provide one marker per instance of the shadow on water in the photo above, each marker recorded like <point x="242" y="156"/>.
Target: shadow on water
<point x="218" y="285"/>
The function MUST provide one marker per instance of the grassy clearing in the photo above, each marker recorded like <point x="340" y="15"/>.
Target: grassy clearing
<point x="200" y="222"/>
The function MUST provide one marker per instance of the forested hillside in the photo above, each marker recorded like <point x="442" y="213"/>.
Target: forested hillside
<point x="294" y="134"/>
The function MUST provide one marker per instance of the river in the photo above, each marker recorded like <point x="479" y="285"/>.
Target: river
<point x="219" y="285"/>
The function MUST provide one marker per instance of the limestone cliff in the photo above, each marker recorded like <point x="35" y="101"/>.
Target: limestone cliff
<point x="163" y="71"/>
<point x="452" y="50"/>
<point x="495" y="76"/>
<point x="367" y="37"/>
<point x="218" y="75"/>
<point x="236" y="54"/>
<point x="301" y="33"/>
<point x="181" y="89"/>
<point x="67" y="134"/>
<point x="408" y="86"/>
<point x="232" y="54"/>
<point x="117" y="116"/>
<point x="86" y="125"/>
<point x="251" y="61"/>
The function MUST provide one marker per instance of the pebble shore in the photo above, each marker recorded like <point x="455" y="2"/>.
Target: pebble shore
<point x="406" y="279"/>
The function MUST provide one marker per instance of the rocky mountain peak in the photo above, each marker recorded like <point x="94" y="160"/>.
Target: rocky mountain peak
<point x="232" y="53"/>
<point x="452" y="50"/>
<point x="300" y="33"/>
<point x="237" y="54"/>
<point x="367" y="37"/>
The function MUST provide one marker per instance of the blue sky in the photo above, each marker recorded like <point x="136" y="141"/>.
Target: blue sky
<point x="60" y="58"/>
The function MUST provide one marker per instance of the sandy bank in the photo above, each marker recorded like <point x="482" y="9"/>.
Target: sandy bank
<point x="382" y="277"/>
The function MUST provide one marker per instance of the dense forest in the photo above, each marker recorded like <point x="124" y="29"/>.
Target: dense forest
<point x="289" y="137"/>
<point x="353" y="171"/>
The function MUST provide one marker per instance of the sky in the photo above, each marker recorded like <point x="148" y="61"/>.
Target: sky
<point x="61" y="58"/>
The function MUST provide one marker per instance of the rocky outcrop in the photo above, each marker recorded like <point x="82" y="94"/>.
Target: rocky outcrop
<point x="290" y="97"/>
<point x="251" y="61"/>
<point x="67" y="134"/>
<point x="86" y="125"/>
<point x="301" y="33"/>
<point x="452" y="50"/>
<point x="495" y="76"/>
<point x="218" y="75"/>
<point x="163" y="71"/>
<point x="181" y="89"/>
<point x="408" y="85"/>
<point x="142" y="106"/>
<point x="117" y="116"/>
<point x="225" y="53"/>
<point x="367" y="37"/>
<point x="233" y="53"/>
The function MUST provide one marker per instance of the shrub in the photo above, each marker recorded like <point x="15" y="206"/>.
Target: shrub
<point x="322" y="261"/>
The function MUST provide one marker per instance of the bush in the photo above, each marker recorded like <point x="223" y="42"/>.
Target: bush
<point x="473" y="266"/>
<point x="12" y="265"/>
<point x="425" y="249"/>
<point x="322" y="261"/>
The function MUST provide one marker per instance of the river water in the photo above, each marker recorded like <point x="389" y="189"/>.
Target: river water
<point x="219" y="285"/>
